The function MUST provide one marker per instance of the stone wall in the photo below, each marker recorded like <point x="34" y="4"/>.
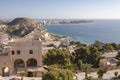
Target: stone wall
<point x="24" y="47"/>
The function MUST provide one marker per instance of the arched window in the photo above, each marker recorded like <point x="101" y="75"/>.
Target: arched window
<point x="19" y="63"/>
<point x="31" y="63"/>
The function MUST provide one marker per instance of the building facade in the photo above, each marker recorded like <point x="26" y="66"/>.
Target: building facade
<point x="109" y="62"/>
<point x="22" y="54"/>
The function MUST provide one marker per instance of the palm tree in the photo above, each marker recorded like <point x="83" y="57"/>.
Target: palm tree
<point x="22" y="74"/>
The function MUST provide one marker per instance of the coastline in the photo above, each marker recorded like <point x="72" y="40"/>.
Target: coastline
<point x="105" y="31"/>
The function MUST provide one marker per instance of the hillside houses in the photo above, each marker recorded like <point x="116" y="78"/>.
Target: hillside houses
<point x="4" y="38"/>
<point x="109" y="61"/>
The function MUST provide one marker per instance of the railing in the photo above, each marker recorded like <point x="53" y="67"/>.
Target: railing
<point x="25" y="69"/>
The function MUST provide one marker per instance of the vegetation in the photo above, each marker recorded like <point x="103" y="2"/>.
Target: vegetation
<point x="10" y="29"/>
<point x="118" y="57"/>
<point x="80" y="64"/>
<point x="88" y="55"/>
<point x="66" y="60"/>
<point x="55" y="73"/>
<point x="100" y="73"/>
<point x="86" y="68"/>
<point x="115" y="46"/>
<point x="77" y="44"/>
<point x="84" y="59"/>
<point x="22" y="74"/>
<point x="62" y="58"/>
<point x="116" y="74"/>
<point x="108" y="48"/>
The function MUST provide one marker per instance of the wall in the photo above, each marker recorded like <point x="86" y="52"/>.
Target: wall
<point x="24" y="47"/>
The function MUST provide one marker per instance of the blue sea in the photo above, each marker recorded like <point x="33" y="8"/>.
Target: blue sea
<point x="106" y="31"/>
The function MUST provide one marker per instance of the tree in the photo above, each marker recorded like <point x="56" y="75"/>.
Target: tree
<point x="118" y="46"/>
<point x="59" y="57"/>
<point x="108" y="47"/>
<point x="100" y="73"/>
<point x="80" y="63"/>
<point x="118" y="63"/>
<point x="82" y="54"/>
<point x="94" y="56"/>
<point x="22" y="74"/>
<point x="88" y="55"/>
<point x="115" y="46"/>
<point x="78" y="44"/>
<point x="87" y="69"/>
<point x="55" y="73"/>
<point x="116" y="74"/>
<point x="118" y="55"/>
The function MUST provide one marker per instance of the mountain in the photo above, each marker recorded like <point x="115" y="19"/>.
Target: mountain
<point x="22" y="21"/>
<point x="26" y="27"/>
<point x="21" y="26"/>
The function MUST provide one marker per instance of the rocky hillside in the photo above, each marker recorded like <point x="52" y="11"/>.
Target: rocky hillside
<point x="26" y="27"/>
<point x="21" y="26"/>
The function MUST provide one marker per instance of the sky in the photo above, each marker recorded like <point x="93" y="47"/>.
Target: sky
<point x="60" y="9"/>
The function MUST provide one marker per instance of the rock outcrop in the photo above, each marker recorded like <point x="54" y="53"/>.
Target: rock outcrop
<point x="26" y="27"/>
<point x="21" y="26"/>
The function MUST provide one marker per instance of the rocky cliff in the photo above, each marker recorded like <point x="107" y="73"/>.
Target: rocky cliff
<point x="26" y="27"/>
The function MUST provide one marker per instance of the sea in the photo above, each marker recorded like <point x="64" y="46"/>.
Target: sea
<point x="106" y="31"/>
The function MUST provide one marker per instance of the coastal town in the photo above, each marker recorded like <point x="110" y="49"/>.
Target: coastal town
<point x="59" y="40"/>
<point x="21" y="54"/>
<point x="27" y="51"/>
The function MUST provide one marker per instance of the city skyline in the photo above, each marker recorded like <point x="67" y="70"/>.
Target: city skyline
<point x="60" y="9"/>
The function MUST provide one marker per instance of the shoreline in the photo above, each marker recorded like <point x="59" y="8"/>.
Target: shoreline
<point x="102" y="30"/>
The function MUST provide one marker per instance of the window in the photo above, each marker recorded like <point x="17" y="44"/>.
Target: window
<point x="30" y="51"/>
<point x="18" y="51"/>
<point x="13" y="52"/>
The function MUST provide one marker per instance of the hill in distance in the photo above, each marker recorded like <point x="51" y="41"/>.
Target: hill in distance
<point x="26" y="27"/>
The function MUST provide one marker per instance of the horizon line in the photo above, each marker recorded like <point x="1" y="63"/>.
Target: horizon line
<point x="63" y="18"/>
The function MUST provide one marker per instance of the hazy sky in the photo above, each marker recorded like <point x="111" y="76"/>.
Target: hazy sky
<point x="69" y="9"/>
